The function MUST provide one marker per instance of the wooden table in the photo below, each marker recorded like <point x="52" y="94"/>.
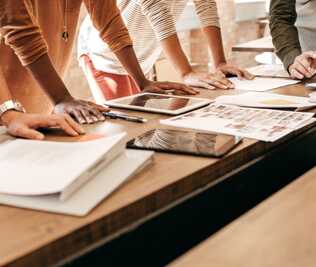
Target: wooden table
<point x="259" y="45"/>
<point x="35" y="238"/>
<point x="278" y="232"/>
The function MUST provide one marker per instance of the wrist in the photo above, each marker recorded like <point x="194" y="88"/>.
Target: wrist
<point x="65" y="98"/>
<point x="187" y="72"/>
<point x="9" y="116"/>
<point x="220" y="64"/>
<point x="143" y="83"/>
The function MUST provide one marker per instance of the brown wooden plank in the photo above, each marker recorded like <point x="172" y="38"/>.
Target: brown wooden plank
<point x="278" y="232"/>
<point x="35" y="238"/>
<point x="259" y="45"/>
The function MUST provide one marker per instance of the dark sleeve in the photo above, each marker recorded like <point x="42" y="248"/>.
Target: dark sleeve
<point x="284" y="33"/>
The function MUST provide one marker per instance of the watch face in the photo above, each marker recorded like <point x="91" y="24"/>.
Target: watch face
<point x="11" y="105"/>
<point x="18" y="106"/>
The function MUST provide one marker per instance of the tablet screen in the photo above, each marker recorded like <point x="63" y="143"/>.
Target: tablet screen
<point x="156" y="101"/>
<point x="186" y="142"/>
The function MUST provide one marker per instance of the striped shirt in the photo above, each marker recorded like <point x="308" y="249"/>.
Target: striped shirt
<point x="148" y="22"/>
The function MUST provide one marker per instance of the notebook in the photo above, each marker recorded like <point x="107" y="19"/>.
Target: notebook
<point x="125" y="166"/>
<point x="36" y="168"/>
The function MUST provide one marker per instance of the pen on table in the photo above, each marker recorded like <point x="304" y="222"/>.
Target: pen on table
<point x="114" y="115"/>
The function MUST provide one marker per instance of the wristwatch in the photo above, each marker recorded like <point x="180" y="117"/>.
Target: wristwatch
<point x="11" y="105"/>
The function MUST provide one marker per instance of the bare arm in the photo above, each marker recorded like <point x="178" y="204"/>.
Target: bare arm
<point x="214" y="39"/>
<point x="128" y="59"/>
<point x="174" y="52"/>
<point x="47" y="77"/>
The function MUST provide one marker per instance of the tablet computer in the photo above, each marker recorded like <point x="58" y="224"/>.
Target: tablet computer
<point x="185" y="142"/>
<point x="159" y="103"/>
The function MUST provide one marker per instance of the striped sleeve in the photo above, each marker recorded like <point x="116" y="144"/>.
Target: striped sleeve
<point x="159" y="16"/>
<point x="106" y="18"/>
<point x="207" y="12"/>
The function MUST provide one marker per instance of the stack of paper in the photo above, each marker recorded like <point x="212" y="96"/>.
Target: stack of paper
<point x="93" y="192"/>
<point x="262" y="124"/>
<point x="261" y="84"/>
<point x="266" y="100"/>
<point x="54" y="176"/>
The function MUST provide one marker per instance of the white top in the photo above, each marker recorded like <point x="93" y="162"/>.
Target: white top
<point x="306" y="23"/>
<point x="148" y="22"/>
<point x="306" y="11"/>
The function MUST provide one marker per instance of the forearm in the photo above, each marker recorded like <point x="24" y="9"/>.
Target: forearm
<point x="215" y="43"/>
<point x="174" y="53"/>
<point x="47" y="77"/>
<point x="129" y="61"/>
<point x="5" y="93"/>
<point x="284" y="33"/>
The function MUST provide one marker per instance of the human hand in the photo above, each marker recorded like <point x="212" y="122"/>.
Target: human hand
<point x="82" y="111"/>
<point x="304" y="65"/>
<point x="210" y="81"/>
<point x="227" y="69"/>
<point x="25" y="125"/>
<point x="164" y="87"/>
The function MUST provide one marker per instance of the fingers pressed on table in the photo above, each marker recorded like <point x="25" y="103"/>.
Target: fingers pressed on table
<point x="301" y="70"/>
<point x="23" y="131"/>
<point x="87" y="116"/>
<point x="205" y="85"/>
<point x="64" y="125"/>
<point x="295" y="74"/>
<point x="78" y="116"/>
<point x="74" y="124"/>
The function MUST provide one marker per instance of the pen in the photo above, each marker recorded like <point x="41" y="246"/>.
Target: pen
<point x="113" y="115"/>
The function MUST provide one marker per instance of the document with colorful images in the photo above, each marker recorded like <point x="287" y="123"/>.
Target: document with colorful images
<point x="261" y="124"/>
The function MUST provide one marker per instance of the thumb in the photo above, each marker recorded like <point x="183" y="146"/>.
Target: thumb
<point x="25" y="132"/>
<point x="309" y="54"/>
<point x="220" y="74"/>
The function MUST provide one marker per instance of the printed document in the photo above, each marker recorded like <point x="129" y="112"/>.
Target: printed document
<point x="261" y="124"/>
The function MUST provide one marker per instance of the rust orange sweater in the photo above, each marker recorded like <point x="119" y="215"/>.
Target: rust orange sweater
<point x="32" y="28"/>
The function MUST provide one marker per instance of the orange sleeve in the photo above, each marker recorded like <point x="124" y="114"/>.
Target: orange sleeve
<point x="107" y="19"/>
<point x="20" y="31"/>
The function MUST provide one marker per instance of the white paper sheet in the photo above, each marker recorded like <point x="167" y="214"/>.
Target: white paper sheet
<point x="261" y="124"/>
<point x="261" y="84"/>
<point x="269" y="70"/>
<point x="266" y="100"/>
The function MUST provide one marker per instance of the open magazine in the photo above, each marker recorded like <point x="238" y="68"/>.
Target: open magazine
<point x="261" y="124"/>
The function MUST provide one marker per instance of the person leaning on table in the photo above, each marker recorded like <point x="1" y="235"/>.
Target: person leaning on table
<point x="37" y="39"/>
<point x="293" y="30"/>
<point x="151" y="24"/>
